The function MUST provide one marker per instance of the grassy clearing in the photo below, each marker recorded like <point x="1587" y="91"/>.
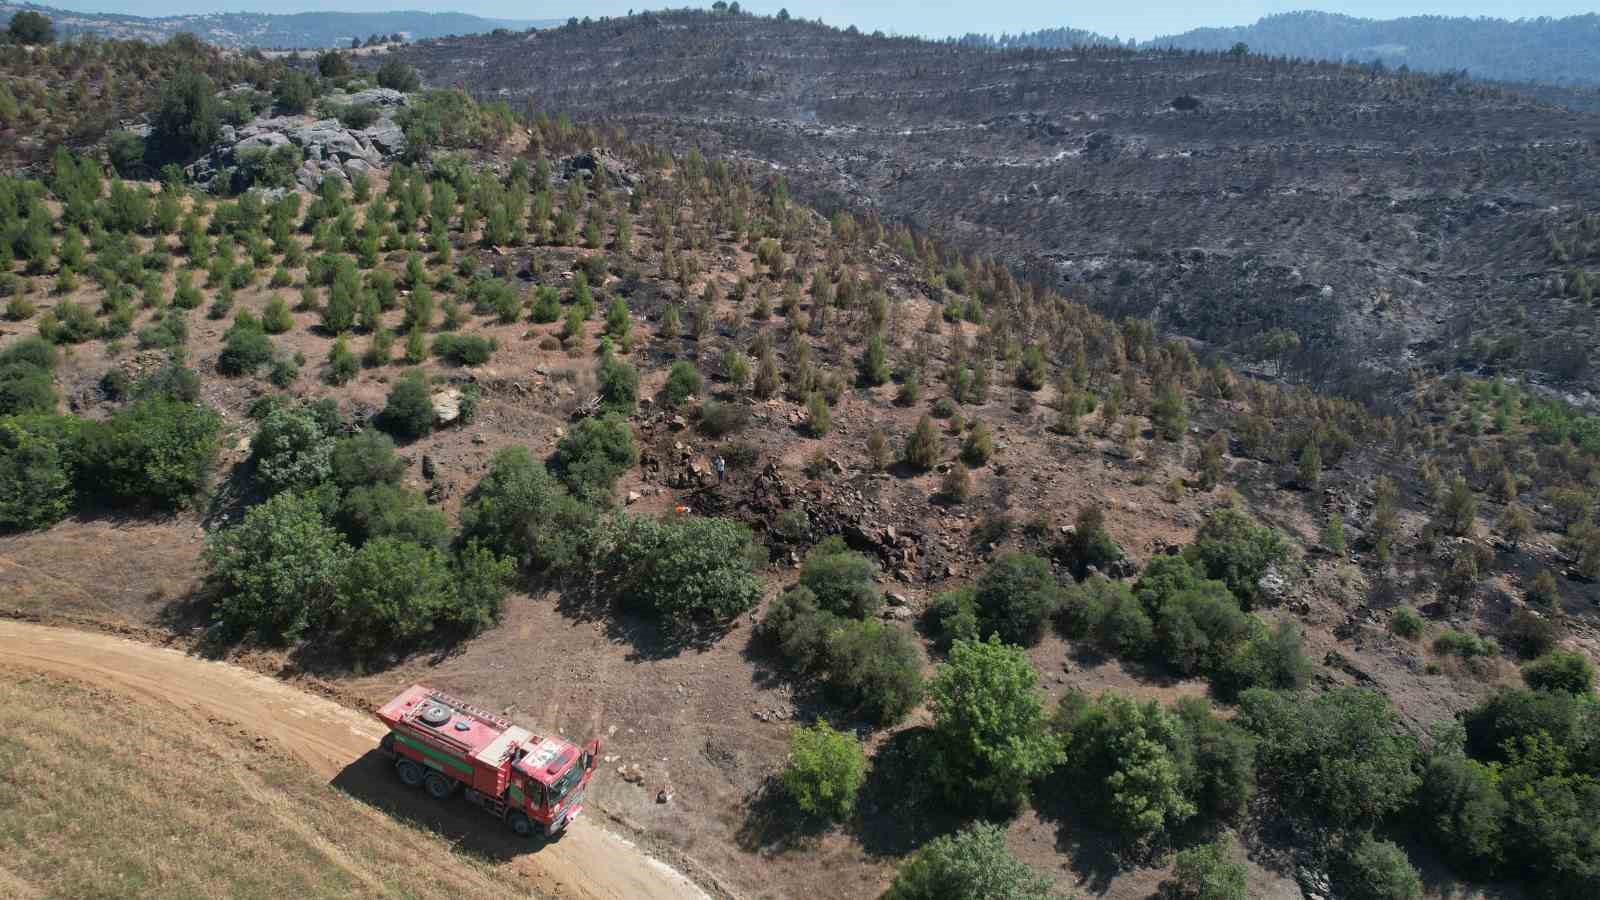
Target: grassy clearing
<point x="101" y="796"/>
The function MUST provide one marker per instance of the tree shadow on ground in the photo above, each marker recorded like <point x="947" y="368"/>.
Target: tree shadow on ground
<point x="595" y="601"/>
<point x="372" y="780"/>
<point x="773" y="824"/>
<point x="900" y="809"/>
<point x="1096" y="856"/>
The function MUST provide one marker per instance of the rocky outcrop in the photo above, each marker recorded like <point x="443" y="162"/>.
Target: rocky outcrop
<point x="328" y="149"/>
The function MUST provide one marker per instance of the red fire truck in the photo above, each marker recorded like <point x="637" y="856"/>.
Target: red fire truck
<point x="534" y="783"/>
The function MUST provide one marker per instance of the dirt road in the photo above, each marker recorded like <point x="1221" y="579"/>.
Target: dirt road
<point x="337" y="742"/>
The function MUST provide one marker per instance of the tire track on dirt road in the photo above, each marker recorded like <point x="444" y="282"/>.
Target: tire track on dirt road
<point x="589" y="862"/>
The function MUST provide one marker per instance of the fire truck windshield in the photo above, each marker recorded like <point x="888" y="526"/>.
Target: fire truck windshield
<point x="563" y="785"/>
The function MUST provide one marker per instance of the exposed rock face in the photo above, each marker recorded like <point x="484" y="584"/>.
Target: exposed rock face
<point x="328" y="148"/>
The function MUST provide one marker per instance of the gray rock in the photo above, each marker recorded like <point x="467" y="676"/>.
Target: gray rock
<point x="447" y="406"/>
<point x="267" y="139"/>
<point x="386" y="98"/>
<point x="1273" y="585"/>
<point x="226" y="134"/>
<point x="386" y="137"/>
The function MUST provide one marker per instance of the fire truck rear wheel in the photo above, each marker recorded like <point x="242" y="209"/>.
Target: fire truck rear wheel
<point x="438" y="786"/>
<point x="410" y="772"/>
<point x="520" y="823"/>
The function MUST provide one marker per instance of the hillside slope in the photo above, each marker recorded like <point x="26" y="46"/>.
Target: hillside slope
<point x="1419" y="220"/>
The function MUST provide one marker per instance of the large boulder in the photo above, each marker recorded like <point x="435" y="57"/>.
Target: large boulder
<point x="271" y="140"/>
<point x="383" y="98"/>
<point x="386" y="138"/>
<point x="328" y="140"/>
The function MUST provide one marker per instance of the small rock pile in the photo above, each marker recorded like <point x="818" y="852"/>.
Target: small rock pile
<point x="330" y="149"/>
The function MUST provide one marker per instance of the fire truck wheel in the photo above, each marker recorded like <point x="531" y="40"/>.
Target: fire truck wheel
<point x="410" y="772"/>
<point x="520" y="823"/>
<point x="439" y="787"/>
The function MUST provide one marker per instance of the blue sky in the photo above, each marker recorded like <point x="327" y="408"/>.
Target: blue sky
<point x="927" y="17"/>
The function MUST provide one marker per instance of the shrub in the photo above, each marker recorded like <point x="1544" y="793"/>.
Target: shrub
<point x="279" y="570"/>
<point x="1463" y="644"/>
<point x="1090" y="544"/>
<point x="1340" y="757"/>
<point x="373" y="511"/>
<point x="294" y="92"/>
<point x="619" y="385"/>
<point x="1370" y="869"/>
<point x="687" y="572"/>
<point x="342" y="362"/>
<point x="954" y="616"/>
<point x="35" y="474"/>
<point x="1271" y="658"/>
<point x="800" y="630"/>
<point x="392" y="592"/>
<point x="972" y="863"/>
<point x="1015" y="596"/>
<point x="1210" y="872"/>
<point x="825" y="772"/>
<point x="158" y="450"/>
<point x="718" y="418"/>
<point x="874" y="668"/>
<point x="522" y="512"/>
<point x="1406" y="623"/>
<point x="187" y="118"/>
<point x="292" y="450"/>
<point x="594" y="454"/>
<point x="979" y="446"/>
<point x="398" y="76"/>
<point x="1234" y="550"/>
<point x="245" y="347"/>
<point x="990" y="739"/>
<point x="683" y="382"/>
<point x="922" y="446"/>
<point x="1462" y="810"/>
<point x="366" y="457"/>
<point x="1569" y="671"/>
<point x="1132" y="758"/>
<point x="463" y="349"/>
<point x="842" y="581"/>
<point x="408" y="413"/>
<point x="1531" y="634"/>
<point x="1199" y="628"/>
<point x="276" y="319"/>
<point x="26" y="388"/>
<point x="819" y="418"/>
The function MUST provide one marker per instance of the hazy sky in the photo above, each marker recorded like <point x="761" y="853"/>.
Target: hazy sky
<point x="927" y="17"/>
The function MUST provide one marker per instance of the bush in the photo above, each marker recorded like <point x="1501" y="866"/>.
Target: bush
<point x="1463" y="644"/>
<point x="687" y="572"/>
<point x="979" y="446"/>
<point x="1210" y="872"/>
<point x="618" y="384"/>
<point x="972" y="863"/>
<point x="954" y="616"/>
<point x="825" y="772"/>
<point x="990" y="739"/>
<point x="1090" y="544"/>
<point x="1015" y="596"/>
<point x="1340" y="757"/>
<point x="683" y="382"/>
<point x="366" y="457"/>
<point x="392" y="592"/>
<point x="245" y="347"/>
<point x="1234" y="550"/>
<point x="375" y="511"/>
<point x="398" y="76"/>
<point x="718" y="418"/>
<point x="279" y="570"/>
<point x="294" y="92"/>
<point x="596" y="452"/>
<point x="463" y="349"/>
<point x="354" y="116"/>
<point x="922" y="446"/>
<point x="800" y="630"/>
<point x="26" y="388"/>
<point x="1531" y="634"/>
<point x="842" y="581"/>
<point x="1462" y="811"/>
<point x="158" y="451"/>
<point x="29" y="27"/>
<point x="1569" y="671"/>
<point x="1370" y="869"/>
<point x="35" y="473"/>
<point x="1271" y="658"/>
<point x="874" y="668"/>
<point x="1406" y="623"/>
<point x="292" y="450"/>
<point x="1133" y="759"/>
<point x="187" y="119"/>
<point x="408" y="413"/>
<point x="520" y="511"/>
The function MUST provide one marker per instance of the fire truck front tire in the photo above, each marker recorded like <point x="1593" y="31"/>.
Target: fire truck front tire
<point x="438" y="786"/>
<point x="410" y="773"/>
<point x="520" y="824"/>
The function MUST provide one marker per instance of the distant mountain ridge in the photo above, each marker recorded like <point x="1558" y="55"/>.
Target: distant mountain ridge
<point x="1562" y="51"/>
<point x="239" y="30"/>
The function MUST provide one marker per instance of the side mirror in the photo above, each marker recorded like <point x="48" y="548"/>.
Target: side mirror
<point x="591" y="755"/>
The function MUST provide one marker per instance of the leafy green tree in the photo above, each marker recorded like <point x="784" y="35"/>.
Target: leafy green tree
<point x="1370" y="869"/>
<point x="1561" y="670"/>
<point x="1233" y="549"/>
<point x="591" y="458"/>
<point x="990" y="739"/>
<point x="843" y="581"/>
<point x="366" y="457"/>
<point x="618" y="383"/>
<point x="825" y="772"/>
<point x="1015" y="596"/>
<point x="245" y="346"/>
<point x="391" y="592"/>
<point x="689" y="572"/>
<point x="26" y="388"/>
<point x="1462" y="810"/>
<point x="389" y="510"/>
<point x="398" y="76"/>
<point x="36" y="488"/>
<point x="294" y="92"/>
<point x="972" y="864"/>
<point x="1134" y="757"/>
<point x="30" y="28"/>
<point x="683" y="382"/>
<point x="1210" y="872"/>
<point x="873" y="667"/>
<point x="1340" y="758"/>
<point x="278" y="571"/>
<point x="187" y="119"/>
<point x="520" y="511"/>
<point x="408" y="413"/>
<point x="292" y="450"/>
<point x="158" y="450"/>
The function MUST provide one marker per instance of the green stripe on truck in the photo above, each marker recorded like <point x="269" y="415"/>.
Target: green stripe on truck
<point x="439" y="755"/>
